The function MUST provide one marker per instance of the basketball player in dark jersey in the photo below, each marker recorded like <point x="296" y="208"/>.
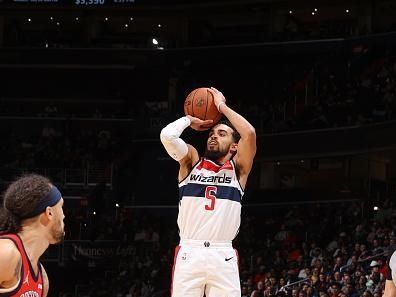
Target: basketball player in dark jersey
<point x="31" y="219"/>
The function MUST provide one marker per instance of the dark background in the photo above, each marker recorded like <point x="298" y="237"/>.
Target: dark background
<point x="84" y="93"/>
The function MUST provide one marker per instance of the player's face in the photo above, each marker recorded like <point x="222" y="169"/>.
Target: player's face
<point x="57" y="232"/>
<point x="219" y="142"/>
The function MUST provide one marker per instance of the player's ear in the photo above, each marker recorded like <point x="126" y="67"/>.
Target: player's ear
<point x="49" y="212"/>
<point x="233" y="147"/>
<point x="46" y="216"/>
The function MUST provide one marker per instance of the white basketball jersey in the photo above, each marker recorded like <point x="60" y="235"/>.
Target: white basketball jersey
<point x="392" y="265"/>
<point x="210" y="202"/>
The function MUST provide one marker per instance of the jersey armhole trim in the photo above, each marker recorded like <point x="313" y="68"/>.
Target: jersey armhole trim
<point x="192" y="168"/>
<point x="42" y="279"/>
<point x="236" y="174"/>
<point x="35" y="276"/>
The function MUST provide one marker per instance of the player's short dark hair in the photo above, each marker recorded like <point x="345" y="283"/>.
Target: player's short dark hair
<point x="20" y="199"/>
<point x="235" y="134"/>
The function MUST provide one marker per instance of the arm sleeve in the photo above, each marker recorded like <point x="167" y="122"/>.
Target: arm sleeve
<point x="170" y="138"/>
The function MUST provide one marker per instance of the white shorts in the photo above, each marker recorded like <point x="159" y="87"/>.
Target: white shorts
<point x="205" y="267"/>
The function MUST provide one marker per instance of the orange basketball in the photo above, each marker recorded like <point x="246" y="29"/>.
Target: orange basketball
<point x="200" y="104"/>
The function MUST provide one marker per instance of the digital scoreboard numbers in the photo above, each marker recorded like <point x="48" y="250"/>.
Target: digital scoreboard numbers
<point x="89" y="2"/>
<point x="123" y="1"/>
<point x="69" y="3"/>
<point x="32" y="2"/>
<point x="102" y="2"/>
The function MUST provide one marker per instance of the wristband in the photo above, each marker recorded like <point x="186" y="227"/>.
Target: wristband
<point x="218" y="106"/>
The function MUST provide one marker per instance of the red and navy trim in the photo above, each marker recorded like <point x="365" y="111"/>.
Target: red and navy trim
<point x="212" y="166"/>
<point x="198" y="190"/>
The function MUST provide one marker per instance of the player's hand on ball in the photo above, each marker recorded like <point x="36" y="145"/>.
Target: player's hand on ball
<point x="198" y="124"/>
<point x="218" y="96"/>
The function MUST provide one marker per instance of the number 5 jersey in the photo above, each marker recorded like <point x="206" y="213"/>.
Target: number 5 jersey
<point x="210" y="202"/>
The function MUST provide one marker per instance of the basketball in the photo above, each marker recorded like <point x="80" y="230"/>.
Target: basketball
<point x="200" y="104"/>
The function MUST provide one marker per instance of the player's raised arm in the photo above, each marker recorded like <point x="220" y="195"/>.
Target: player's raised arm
<point x="246" y="149"/>
<point x="180" y="151"/>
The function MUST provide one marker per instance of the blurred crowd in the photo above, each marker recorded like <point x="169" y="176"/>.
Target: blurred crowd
<point x="355" y="86"/>
<point x="331" y="91"/>
<point x="318" y="250"/>
<point x="341" y="95"/>
<point x="310" y="250"/>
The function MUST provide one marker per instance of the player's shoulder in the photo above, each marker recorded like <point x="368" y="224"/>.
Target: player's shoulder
<point x="191" y="158"/>
<point x="9" y="253"/>
<point x="8" y="247"/>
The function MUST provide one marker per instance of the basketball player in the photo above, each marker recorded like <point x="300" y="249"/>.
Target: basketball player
<point x="31" y="220"/>
<point x="390" y="287"/>
<point x="210" y="191"/>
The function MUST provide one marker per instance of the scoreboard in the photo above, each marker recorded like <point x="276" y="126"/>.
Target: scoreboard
<point x="65" y="3"/>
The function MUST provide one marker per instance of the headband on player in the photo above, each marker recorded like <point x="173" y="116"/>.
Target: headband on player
<point x="51" y="199"/>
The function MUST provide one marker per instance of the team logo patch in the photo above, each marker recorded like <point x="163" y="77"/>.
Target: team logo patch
<point x="200" y="102"/>
<point x="26" y="281"/>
